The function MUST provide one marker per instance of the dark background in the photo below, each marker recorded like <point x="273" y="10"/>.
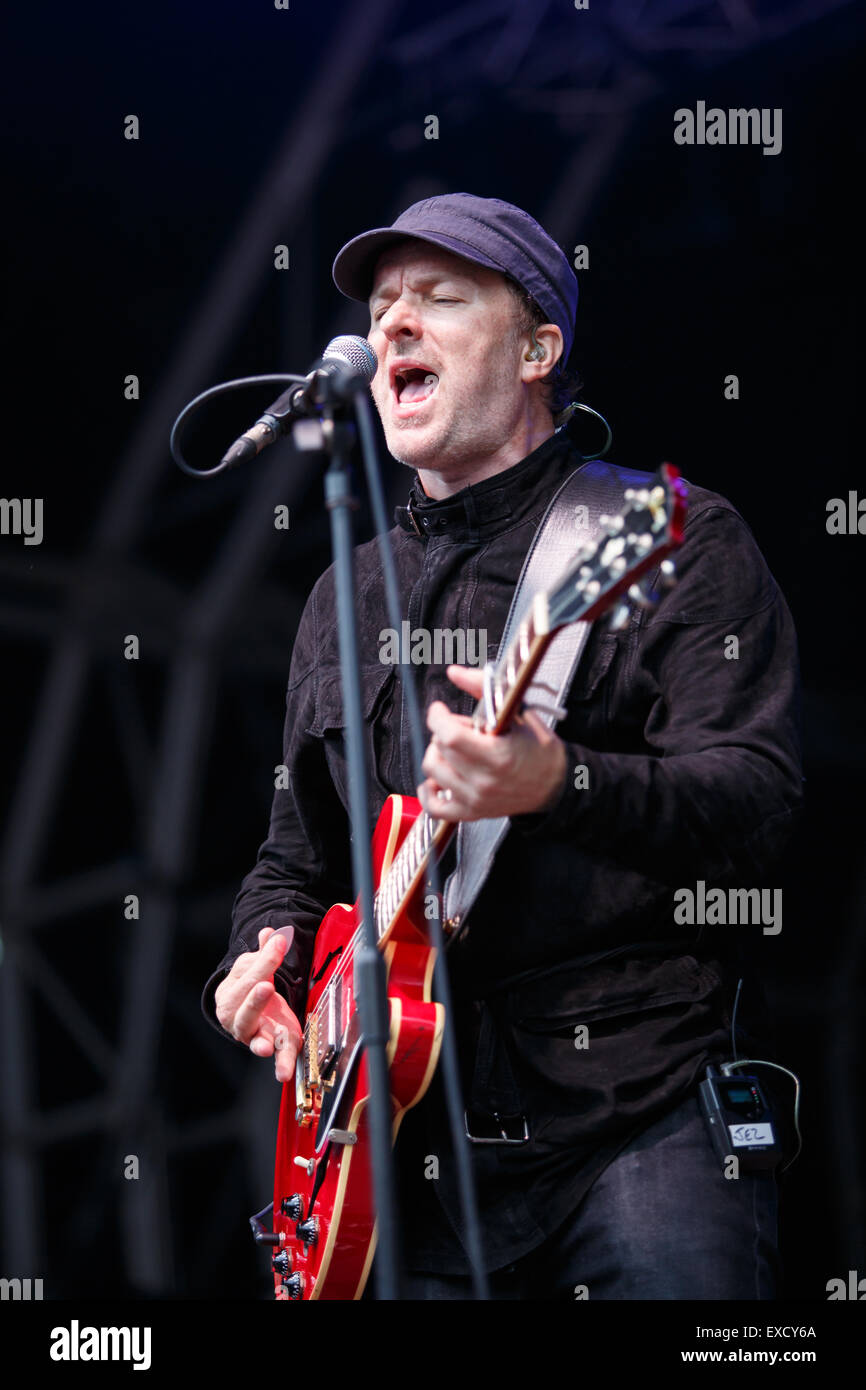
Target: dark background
<point x="154" y="777"/>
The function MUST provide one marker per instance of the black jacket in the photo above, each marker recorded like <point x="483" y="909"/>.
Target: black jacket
<point x="691" y="747"/>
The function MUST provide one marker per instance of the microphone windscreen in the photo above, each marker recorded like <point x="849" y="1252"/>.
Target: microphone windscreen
<point x="354" y="351"/>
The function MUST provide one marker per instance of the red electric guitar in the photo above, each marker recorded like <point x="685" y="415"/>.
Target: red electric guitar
<point x="323" y="1222"/>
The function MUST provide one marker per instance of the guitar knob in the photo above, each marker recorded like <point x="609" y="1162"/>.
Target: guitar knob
<point x="294" y="1285"/>
<point x="282" y="1263"/>
<point x="293" y="1207"/>
<point x="308" y="1231"/>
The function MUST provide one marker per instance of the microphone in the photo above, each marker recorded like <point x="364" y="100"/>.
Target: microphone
<point x="347" y="365"/>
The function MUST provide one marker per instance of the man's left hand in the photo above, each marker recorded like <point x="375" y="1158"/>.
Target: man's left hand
<point x="512" y="774"/>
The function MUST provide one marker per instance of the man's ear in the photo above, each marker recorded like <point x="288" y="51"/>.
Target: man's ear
<point x="543" y="351"/>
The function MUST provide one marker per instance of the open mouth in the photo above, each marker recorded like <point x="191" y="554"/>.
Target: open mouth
<point x="413" y="385"/>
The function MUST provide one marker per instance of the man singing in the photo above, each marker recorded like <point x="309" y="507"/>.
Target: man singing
<point x="585" y="1011"/>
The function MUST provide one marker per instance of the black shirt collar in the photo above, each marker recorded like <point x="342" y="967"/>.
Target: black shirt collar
<point x="479" y="509"/>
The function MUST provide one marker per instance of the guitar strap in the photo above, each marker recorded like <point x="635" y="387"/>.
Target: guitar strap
<point x="598" y="486"/>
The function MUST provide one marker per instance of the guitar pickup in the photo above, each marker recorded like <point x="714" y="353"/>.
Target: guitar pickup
<point x="330" y="1029"/>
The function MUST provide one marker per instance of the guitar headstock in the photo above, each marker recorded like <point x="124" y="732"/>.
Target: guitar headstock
<point x="633" y="542"/>
<point x="636" y="540"/>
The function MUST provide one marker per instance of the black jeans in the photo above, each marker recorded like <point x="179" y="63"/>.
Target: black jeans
<point x="661" y="1222"/>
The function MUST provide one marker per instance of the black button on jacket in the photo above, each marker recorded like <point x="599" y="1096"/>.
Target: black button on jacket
<point x="602" y="1006"/>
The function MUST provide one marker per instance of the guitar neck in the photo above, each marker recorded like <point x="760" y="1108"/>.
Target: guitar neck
<point x="507" y="682"/>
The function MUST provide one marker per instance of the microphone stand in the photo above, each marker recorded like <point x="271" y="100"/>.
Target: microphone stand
<point x="333" y="438"/>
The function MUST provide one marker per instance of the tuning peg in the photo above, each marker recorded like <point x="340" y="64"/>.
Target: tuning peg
<point x="619" y="617"/>
<point x="639" y="597"/>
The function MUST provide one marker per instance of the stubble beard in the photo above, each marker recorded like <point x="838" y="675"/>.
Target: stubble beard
<point x="456" y="445"/>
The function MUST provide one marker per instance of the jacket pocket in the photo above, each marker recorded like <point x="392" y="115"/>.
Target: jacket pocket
<point x="328" y="714"/>
<point x="589" y="694"/>
<point x="593" y="667"/>
<point x="609" y="989"/>
<point x="378" y="685"/>
<point x="611" y="1047"/>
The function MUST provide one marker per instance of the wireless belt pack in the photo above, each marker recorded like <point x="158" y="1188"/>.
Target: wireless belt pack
<point x="739" y="1120"/>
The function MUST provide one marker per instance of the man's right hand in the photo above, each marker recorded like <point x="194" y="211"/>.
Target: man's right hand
<point x="249" y="1006"/>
